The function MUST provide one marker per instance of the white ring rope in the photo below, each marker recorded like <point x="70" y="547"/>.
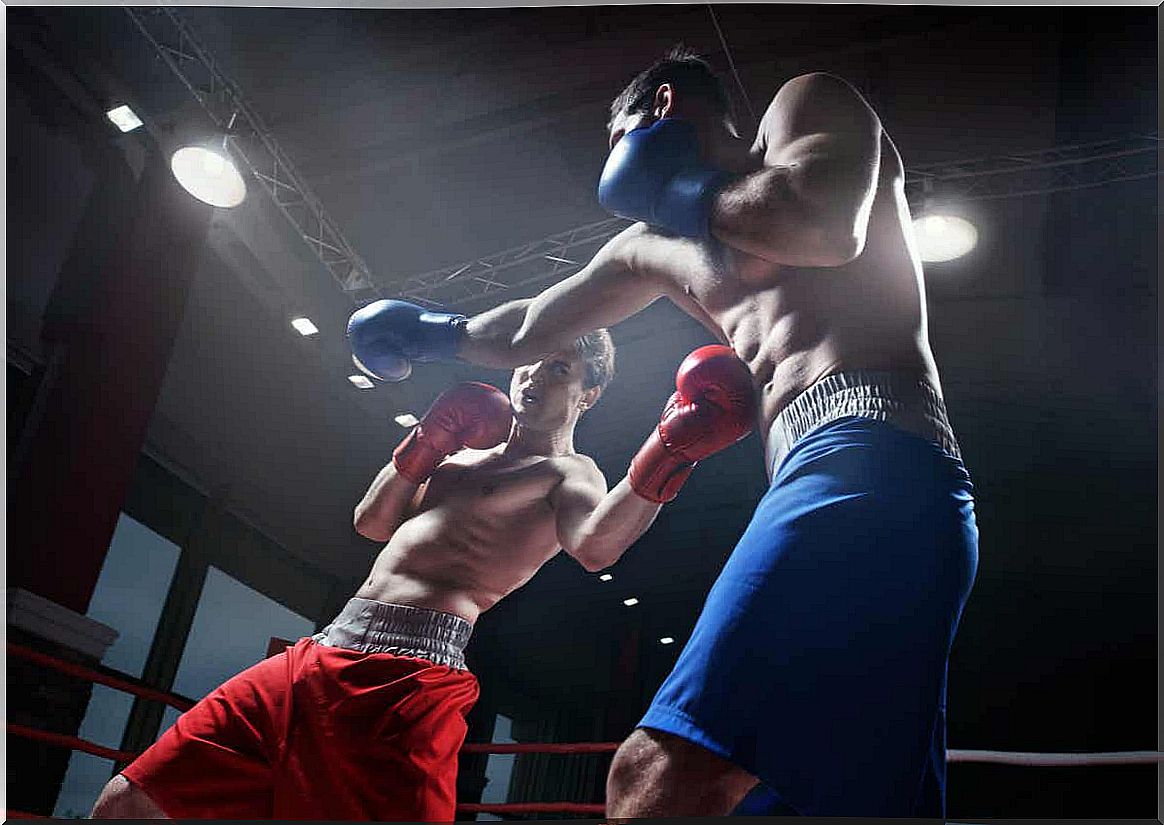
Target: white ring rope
<point x="1056" y="759"/>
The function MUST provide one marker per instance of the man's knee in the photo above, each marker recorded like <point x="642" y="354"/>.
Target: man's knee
<point x="664" y="774"/>
<point x="637" y="759"/>
<point x="120" y="799"/>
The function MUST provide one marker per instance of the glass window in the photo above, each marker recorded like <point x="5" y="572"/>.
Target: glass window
<point x="499" y="768"/>
<point x="231" y="630"/>
<point x="129" y="597"/>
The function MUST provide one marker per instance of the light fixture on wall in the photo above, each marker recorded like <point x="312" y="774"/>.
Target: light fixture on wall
<point x="943" y="237"/>
<point x="206" y="171"/>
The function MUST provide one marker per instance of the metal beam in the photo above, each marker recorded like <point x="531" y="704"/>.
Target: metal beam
<point x="251" y="142"/>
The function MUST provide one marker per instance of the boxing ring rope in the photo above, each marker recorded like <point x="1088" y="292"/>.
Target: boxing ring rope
<point x="128" y="684"/>
<point x="104" y="676"/>
<point x="1054" y="760"/>
<point x="71" y="742"/>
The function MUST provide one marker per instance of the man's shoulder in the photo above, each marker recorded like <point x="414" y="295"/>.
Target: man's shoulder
<point x="812" y="92"/>
<point x="815" y="86"/>
<point x="581" y="467"/>
<point x="469" y="457"/>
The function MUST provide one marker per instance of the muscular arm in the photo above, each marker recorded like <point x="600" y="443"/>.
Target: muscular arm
<point x="386" y="505"/>
<point x="607" y="290"/>
<point x="810" y="205"/>
<point x="596" y="527"/>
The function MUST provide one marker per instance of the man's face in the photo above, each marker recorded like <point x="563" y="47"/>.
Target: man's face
<point x="548" y="393"/>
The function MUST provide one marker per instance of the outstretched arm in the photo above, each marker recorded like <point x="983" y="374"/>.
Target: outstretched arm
<point x="607" y="290"/>
<point x="810" y="205"/>
<point x="594" y="526"/>
<point x="713" y="407"/>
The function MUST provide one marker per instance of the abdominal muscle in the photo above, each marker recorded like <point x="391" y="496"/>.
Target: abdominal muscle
<point x="466" y="550"/>
<point x="794" y="326"/>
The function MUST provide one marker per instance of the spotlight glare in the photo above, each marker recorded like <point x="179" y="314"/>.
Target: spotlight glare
<point x="124" y="118"/>
<point x="943" y="237"/>
<point x="406" y="420"/>
<point x="304" y="326"/>
<point x="209" y="175"/>
<point x="631" y="602"/>
<point x="361" y="381"/>
<point x="666" y="640"/>
<point x="605" y="577"/>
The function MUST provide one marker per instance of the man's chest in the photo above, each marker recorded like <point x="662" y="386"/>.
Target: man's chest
<point x="496" y="489"/>
<point x="707" y="277"/>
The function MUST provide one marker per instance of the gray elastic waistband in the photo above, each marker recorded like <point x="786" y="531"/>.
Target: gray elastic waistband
<point x="378" y="627"/>
<point x="906" y="403"/>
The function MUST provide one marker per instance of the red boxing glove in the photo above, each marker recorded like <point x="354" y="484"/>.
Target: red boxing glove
<point x="468" y="415"/>
<point x="714" y="407"/>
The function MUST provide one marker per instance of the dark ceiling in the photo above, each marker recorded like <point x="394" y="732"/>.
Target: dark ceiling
<point x="439" y="136"/>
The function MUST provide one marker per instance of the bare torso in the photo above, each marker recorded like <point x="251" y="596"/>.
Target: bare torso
<point x="794" y="326"/>
<point x="483" y="527"/>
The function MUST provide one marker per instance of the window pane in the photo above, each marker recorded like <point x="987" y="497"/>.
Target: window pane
<point x="129" y="596"/>
<point x="231" y="629"/>
<point x="499" y="768"/>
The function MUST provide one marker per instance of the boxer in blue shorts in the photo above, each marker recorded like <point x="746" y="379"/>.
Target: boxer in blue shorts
<point x="816" y="674"/>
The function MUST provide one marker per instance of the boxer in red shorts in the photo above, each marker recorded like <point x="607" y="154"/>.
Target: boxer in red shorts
<point x="365" y="719"/>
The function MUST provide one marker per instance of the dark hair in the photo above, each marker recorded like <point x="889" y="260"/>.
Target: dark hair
<point x="686" y="71"/>
<point x="597" y="351"/>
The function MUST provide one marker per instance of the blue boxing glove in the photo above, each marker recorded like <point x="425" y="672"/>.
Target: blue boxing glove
<point x="386" y="337"/>
<point x="654" y="174"/>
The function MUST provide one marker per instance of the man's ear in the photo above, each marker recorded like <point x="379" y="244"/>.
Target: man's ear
<point x="589" y="398"/>
<point x="664" y="101"/>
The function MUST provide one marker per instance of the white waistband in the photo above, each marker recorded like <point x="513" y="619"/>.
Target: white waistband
<point x="906" y="403"/>
<point x="379" y="627"/>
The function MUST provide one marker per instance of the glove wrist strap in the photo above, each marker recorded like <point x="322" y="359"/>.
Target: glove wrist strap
<point x="415" y="459"/>
<point x="656" y="474"/>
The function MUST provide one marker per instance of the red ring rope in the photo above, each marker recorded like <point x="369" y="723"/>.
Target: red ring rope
<point x="539" y="747"/>
<point x="71" y="742"/>
<point x="534" y="808"/>
<point x="121" y="682"/>
<point x="89" y="674"/>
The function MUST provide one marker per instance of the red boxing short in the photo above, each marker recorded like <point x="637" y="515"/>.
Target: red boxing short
<point x="316" y="732"/>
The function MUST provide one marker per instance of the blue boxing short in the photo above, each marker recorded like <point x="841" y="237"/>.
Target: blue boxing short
<point x="818" y="663"/>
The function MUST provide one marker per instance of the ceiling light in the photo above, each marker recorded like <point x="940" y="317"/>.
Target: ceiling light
<point x="361" y="381"/>
<point x="631" y="602"/>
<point x="304" y="326"/>
<point x="605" y="577"/>
<point x="208" y="173"/>
<point x="666" y="640"/>
<point x="943" y="237"/>
<point x="406" y="420"/>
<point x="124" y="118"/>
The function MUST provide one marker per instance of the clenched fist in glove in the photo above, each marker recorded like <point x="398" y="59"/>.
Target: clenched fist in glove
<point x="468" y="415"/>
<point x="713" y="407"/>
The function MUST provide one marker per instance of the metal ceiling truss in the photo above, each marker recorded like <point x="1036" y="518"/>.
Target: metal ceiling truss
<point x="548" y="259"/>
<point x="250" y="142"/>
<point x="1059" y="169"/>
